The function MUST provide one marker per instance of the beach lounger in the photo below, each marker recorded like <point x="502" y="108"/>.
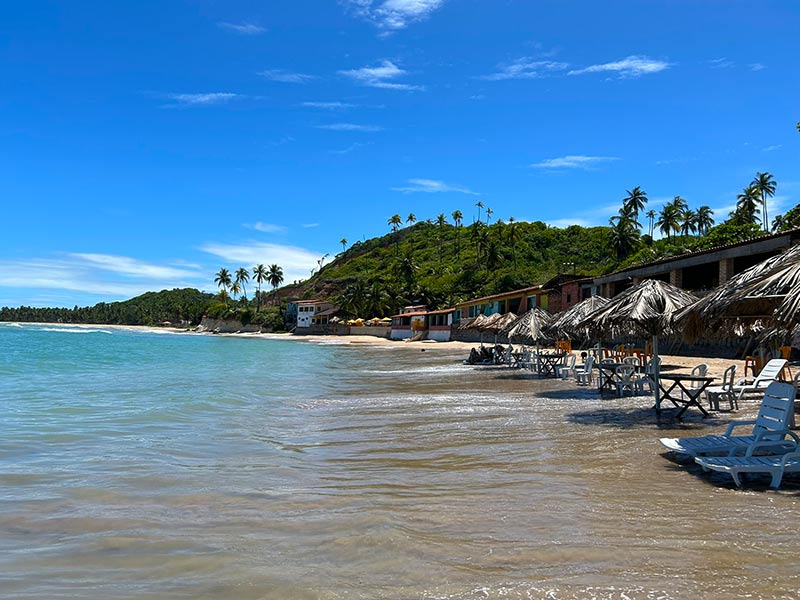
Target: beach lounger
<point x="770" y="372"/>
<point x="774" y="464"/>
<point x="771" y="424"/>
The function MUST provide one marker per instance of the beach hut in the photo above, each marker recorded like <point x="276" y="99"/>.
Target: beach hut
<point x="648" y="308"/>
<point x="762" y="299"/>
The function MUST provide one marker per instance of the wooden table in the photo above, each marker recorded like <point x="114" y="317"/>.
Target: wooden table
<point x="607" y="376"/>
<point x="680" y="382"/>
<point x="548" y="361"/>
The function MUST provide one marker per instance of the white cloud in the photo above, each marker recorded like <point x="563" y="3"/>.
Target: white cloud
<point x="572" y="161"/>
<point x="349" y="149"/>
<point x="350" y="127"/>
<point x="309" y="225"/>
<point x="394" y="14"/>
<point x="103" y="276"/>
<point x="526" y="68"/>
<point x="432" y="186"/>
<point x="285" y="76"/>
<point x="564" y="223"/>
<point x="721" y="63"/>
<point x="296" y="262"/>
<point x="381" y="76"/>
<point x="242" y="28"/>
<point x="208" y="99"/>
<point x="328" y="105"/>
<point x="632" y="66"/>
<point x="266" y="227"/>
<point x="772" y="148"/>
<point x="757" y="67"/>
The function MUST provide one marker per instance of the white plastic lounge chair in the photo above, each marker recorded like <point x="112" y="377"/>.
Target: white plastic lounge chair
<point x="770" y="372"/>
<point x="715" y="393"/>
<point x="624" y="379"/>
<point x="568" y="367"/>
<point x="583" y="375"/>
<point x="774" y="464"/>
<point x="771" y="424"/>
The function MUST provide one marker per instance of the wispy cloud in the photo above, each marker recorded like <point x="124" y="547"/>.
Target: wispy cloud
<point x="381" y="76"/>
<point x="296" y="262"/>
<point x="772" y="148"/>
<point x="350" y="127"/>
<point x="349" y="149"/>
<point x="328" y="105"/>
<point x="309" y="225"/>
<point x="392" y="15"/>
<point x="242" y="28"/>
<point x="266" y="227"/>
<point x="207" y="99"/>
<point x="721" y="63"/>
<point x="572" y="161"/>
<point x="632" y="66"/>
<point x="432" y="186"/>
<point x="526" y="68"/>
<point x="284" y="76"/>
<point x="97" y="276"/>
<point x="757" y="67"/>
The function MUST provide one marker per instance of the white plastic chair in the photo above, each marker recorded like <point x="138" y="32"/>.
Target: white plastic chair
<point x="725" y="391"/>
<point x="568" y="367"/>
<point x="583" y="374"/>
<point x="624" y="379"/>
<point x="647" y="378"/>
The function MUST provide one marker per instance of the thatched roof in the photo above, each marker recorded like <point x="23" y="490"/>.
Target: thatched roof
<point x="566" y="323"/>
<point x="530" y="327"/>
<point x="764" y="297"/>
<point x="491" y="323"/>
<point x="648" y="308"/>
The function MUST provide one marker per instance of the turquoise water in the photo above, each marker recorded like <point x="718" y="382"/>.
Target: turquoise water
<point x="155" y="465"/>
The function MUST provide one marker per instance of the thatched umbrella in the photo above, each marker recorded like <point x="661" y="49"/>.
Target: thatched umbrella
<point x="530" y="327"/>
<point x="763" y="298"/>
<point x="566" y="323"/>
<point x="649" y="308"/>
<point x="496" y="323"/>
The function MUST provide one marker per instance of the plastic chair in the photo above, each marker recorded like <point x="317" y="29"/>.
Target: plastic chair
<point x="624" y="379"/>
<point x="583" y="375"/>
<point x="714" y="393"/>
<point x="646" y="379"/>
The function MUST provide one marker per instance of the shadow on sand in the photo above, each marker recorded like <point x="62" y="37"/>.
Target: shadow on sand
<point x="634" y="417"/>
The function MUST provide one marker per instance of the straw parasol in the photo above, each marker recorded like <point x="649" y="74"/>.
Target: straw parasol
<point x="530" y="327"/>
<point x="763" y="298"/>
<point x="649" y="308"/>
<point x="566" y="323"/>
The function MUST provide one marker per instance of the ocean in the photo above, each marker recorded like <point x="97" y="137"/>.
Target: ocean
<point x="138" y="464"/>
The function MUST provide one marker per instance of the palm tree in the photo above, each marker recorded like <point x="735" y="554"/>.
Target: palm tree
<point x="260" y="275"/>
<point x="689" y="222"/>
<point x="624" y="234"/>
<point x="457" y="217"/>
<point x="242" y="277"/>
<point x="651" y="214"/>
<point x="704" y="219"/>
<point x="634" y="201"/>
<point x="343" y="242"/>
<point x="512" y="239"/>
<point x="394" y="222"/>
<point x="747" y="206"/>
<point x="441" y="221"/>
<point x="489" y="213"/>
<point x="275" y="278"/>
<point x="223" y="280"/>
<point x="765" y="184"/>
<point x="669" y="219"/>
<point x="680" y="204"/>
<point x="411" y="219"/>
<point x="479" y="204"/>
<point x="235" y="289"/>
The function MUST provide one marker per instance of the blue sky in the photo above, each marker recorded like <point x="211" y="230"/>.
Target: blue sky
<point x="147" y="144"/>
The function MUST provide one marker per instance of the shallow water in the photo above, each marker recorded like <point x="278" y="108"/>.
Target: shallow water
<point x="138" y="465"/>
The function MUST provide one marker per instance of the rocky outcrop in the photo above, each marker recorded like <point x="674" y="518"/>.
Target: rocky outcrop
<point x="225" y="326"/>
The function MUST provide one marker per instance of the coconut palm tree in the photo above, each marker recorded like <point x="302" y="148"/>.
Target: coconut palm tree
<point x="223" y="280"/>
<point x="747" y="206"/>
<point x="669" y="219"/>
<point x="634" y="201"/>
<point x="411" y="219"/>
<point x="235" y="289"/>
<point x="343" y="242"/>
<point x="260" y="275"/>
<point x="624" y="235"/>
<point x="394" y="222"/>
<point x="688" y="222"/>
<point x="275" y="278"/>
<point x="242" y="277"/>
<point x="651" y="215"/>
<point x="489" y="213"/>
<point x="479" y="204"/>
<point x="457" y="218"/>
<point x="512" y="239"/>
<point x="765" y="184"/>
<point x="704" y="219"/>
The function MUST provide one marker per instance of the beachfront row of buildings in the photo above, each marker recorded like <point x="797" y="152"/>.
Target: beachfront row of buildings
<point x="697" y="272"/>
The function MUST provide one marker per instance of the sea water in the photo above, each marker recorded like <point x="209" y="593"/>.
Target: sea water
<point x="136" y="464"/>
